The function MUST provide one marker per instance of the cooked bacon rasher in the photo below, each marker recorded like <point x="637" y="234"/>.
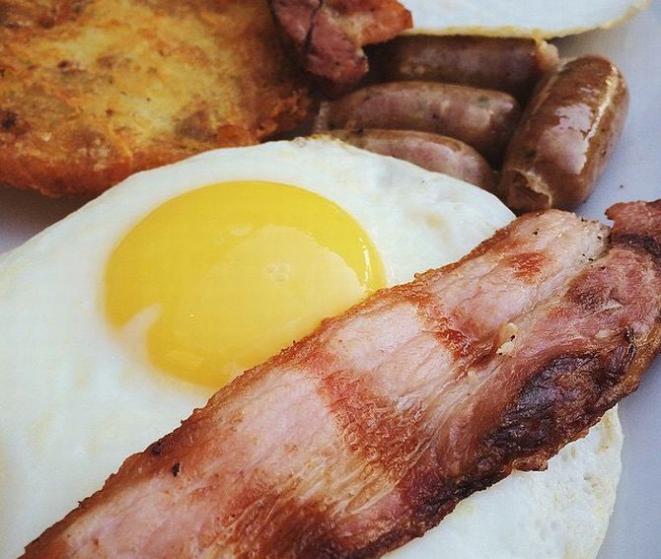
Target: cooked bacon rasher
<point x="327" y="36"/>
<point x="368" y="432"/>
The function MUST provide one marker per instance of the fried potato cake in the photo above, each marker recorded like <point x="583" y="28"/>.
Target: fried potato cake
<point x="94" y="90"/>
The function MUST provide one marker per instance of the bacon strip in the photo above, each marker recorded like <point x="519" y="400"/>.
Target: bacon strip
<point x="328" y="35"/>
<point x="368" y="432"/>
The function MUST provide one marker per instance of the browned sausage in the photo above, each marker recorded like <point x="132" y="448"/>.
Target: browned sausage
<point x="482" y="118"/>
<point x="566" y="136"/>
<point x="511" y="65"/>
<point x="430" y="151"/>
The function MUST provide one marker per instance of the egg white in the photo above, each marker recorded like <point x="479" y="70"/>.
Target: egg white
<point x="561" y="513"/>
<point x="514" y="18"/>
<point x="75" y="403"/>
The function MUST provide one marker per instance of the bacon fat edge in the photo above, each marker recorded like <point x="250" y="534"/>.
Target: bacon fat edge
<point x="367" y="433"/>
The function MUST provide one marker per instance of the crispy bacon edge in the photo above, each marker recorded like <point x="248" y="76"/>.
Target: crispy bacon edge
<point x="327" y="36"/>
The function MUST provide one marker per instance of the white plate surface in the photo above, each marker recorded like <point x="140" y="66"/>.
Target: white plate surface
<point x="633" y="174"/>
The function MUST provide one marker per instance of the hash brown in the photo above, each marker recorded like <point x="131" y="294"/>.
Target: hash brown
<point x="92" y="91"/>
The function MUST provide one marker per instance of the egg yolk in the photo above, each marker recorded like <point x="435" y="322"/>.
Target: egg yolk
<point x="234" y="272"/>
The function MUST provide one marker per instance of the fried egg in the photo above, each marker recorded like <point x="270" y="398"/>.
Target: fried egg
<point x="121" y="319"/>
<point x="512" y="18"/>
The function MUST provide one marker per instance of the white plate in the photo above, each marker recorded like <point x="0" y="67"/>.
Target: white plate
<point x="633" y="174"/>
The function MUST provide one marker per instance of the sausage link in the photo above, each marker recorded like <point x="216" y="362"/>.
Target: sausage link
<point x="511" y="65"/>
<point x="430" y="151"/>
<point x="566" y="136"/>
<point x="482" y="118"/>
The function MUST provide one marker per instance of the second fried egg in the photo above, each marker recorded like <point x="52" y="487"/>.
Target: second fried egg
<point x="511" y="18"/>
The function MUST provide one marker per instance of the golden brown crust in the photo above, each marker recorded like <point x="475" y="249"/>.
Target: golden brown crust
<point x="92" y="91"/>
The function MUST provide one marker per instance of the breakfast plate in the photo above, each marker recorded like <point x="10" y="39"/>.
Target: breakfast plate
<point x="632" y="174"/>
